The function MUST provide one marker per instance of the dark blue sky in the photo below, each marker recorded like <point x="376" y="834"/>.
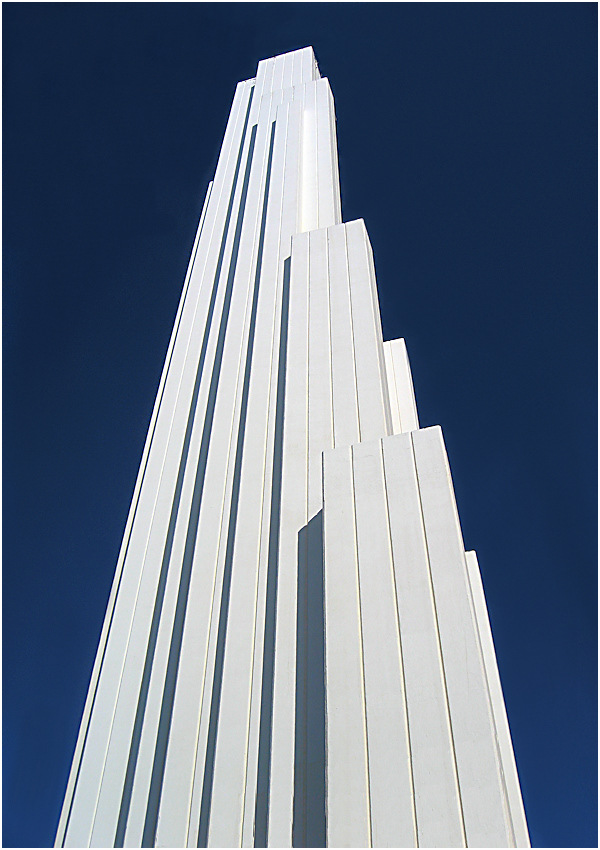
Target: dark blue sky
<point x="467" y="142"/>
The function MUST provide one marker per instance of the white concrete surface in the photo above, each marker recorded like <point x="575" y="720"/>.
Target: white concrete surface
<point x="477" y="764"/>
<point x="506" y="754"/>
<point x="348" y="798"/>
<point x="437" y="795"/>
<point x="292" y="564"/>
<point x="400" y="387"/>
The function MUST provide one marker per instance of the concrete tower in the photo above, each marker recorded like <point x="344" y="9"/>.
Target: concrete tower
<point x="296" y="650"/>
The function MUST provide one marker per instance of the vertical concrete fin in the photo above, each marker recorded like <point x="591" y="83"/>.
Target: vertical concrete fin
<point x="328" y="178"/>
<point x="390" y="773"/>
<point x="392" y="392"/>
<point x="294" y="482"/>
<point x="375" y="420"/>
<point x="310" y="70"/>
<point x="379" y="334"/>
<point x="343" y="341"/>
<point x="337" y="197"/>
<point x="400" y="387"/>
<point x="309" y="163"/>
<point x="470" y="715"/>
<point x="320" y="404"/>
<point x="509" y="767"/>
<point x="436" y="793"/>
<point x="348" y="810"/>
<point x="294" y="518"/>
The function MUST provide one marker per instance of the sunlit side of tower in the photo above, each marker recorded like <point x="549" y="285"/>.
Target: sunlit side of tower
<point x="296" y="650"/>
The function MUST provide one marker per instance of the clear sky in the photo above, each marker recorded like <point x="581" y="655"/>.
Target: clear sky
<point x="467" y="142"/>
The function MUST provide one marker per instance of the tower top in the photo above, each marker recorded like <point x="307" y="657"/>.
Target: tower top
<point x="288" y="69"/>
